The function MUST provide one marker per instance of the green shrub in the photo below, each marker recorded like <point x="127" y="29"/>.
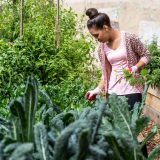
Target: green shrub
<point x="55" y="68"/>
<point x="154" y="65"/>
<point x="107" y="131"/>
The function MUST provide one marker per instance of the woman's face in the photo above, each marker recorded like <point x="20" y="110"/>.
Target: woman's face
<point x="102" y="35"/>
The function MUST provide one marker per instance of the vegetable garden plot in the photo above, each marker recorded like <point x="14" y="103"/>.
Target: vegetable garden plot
<point x="106" y="131"/>
<point x="154" y="141"/>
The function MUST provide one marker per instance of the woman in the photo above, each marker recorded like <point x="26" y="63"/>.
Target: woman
<point x="118" y="50"/>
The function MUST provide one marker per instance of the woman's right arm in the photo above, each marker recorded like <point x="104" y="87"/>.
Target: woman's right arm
<point x="91" y="95"/>
<point x="101" y="84"/>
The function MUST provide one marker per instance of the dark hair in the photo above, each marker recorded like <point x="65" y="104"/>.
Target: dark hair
<point x="97" y="19"/>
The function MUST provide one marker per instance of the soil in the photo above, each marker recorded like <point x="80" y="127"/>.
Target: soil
<point x="154" y="141"/>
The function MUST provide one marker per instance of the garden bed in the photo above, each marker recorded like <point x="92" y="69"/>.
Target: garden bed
<point x="152" y="107"/>
<point x="153" y="142"/>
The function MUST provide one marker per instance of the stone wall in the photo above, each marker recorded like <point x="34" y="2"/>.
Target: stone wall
<point x="139" y="17"/>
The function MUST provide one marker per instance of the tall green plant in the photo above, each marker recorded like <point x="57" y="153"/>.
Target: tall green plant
<point x="22" y="19"/>
<point x="56" y="68"/>
<point x="154" y="66"/>
<point x="57" y="24"/>
<point x="107" y="131"/>
<point x="41" y="142"/>
<point x="24" y="109"/>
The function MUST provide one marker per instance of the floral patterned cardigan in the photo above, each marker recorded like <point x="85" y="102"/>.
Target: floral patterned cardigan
<point x="135" y="51"/>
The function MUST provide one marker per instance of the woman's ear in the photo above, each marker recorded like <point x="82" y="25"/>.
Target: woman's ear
<point x="106" y="27"/>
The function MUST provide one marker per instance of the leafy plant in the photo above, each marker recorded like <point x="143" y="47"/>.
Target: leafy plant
<point x="55" y="68"/>
<point x="24" y="109"/>
<point x="107" y="131"/>
<point x="150" y="73"/>
<point x="154" y="65"/>
<point x="41" y="142"/>
<point x="137" y="78"/>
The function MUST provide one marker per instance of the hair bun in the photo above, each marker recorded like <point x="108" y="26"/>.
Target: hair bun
<point x="92" y="13"/>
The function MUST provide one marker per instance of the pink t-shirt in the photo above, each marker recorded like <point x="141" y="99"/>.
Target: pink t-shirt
<point x="118" y="60"/>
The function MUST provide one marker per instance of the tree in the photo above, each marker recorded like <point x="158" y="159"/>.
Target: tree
<point x="21" y="18"/>
<point x="14" y="2"/>
<point x="57" y="25"/>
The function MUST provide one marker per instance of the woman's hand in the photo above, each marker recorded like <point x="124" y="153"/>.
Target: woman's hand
<point x="91" y="95"/>
<point x="137" y="67"/>
<point x="133" y="69"/>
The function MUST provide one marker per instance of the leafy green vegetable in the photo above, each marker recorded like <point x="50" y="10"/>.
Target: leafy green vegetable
<point x="41" y="141"/>
<point x="107" y="131"/>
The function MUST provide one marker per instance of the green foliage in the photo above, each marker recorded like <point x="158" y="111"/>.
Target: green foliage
<point x="150" y="135"/>
<point x="21" y="151"/>
<point x="107" y="131"/>
<point x="122" y="123"/>
<point x="151" y="72"/>
<point x="4" y="128"/>
<point x="154" y="65"/>
<point x="71" y="93"/>
<point x="137" y="78"/>
<point x="83" y="145"/>
<point x="154" y="153"/>
<point x="58" y="69"/>
<point x="24" y="108"/>
<point x="41" y="141"/>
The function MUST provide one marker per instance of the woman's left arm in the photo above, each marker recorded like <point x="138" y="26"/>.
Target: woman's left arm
<point x="140" y="64"/>
<point x="141" y="50"/>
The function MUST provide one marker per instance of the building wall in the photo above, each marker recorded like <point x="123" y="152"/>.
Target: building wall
<point x="139" y="17"/>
